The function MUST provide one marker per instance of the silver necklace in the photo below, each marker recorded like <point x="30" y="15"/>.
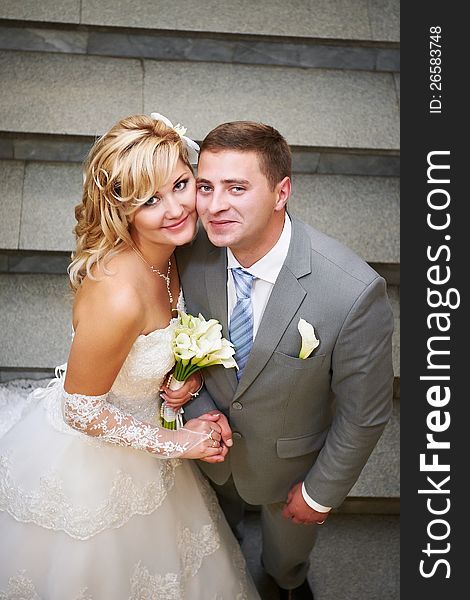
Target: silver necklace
<point x="157" y="272"/>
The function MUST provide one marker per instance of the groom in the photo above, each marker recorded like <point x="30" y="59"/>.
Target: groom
<point x="301" y="429"/>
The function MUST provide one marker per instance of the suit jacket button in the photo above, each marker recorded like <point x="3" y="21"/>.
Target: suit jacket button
<point x="236" y="435"/>
<point x="237" y="405"/>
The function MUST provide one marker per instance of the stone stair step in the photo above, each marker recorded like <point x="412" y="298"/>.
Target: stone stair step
<point x="361" y="212"/>
<point x="202" y="46"/>
<point x="330" y="108"/>
<point x="11" y="184"/>
<point x="370" y="505"/>
<point x="35" y="311"/>
<point x="72" y="94"/>
<point x="322" y="161"/>
<point x="85" y="95"/>
<point x="67" y="11"/>
<point x="359" y="19"/>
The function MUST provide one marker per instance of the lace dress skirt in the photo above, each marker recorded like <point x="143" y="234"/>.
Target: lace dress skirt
<point x="81" y="519"/>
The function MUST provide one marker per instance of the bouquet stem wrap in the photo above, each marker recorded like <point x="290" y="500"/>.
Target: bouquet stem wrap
<point x="172" y="419"/>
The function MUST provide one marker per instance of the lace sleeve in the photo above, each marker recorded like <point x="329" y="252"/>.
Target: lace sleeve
<point x="96" y="417"/>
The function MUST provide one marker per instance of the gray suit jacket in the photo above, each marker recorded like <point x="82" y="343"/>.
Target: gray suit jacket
<point x="314" y="420"/>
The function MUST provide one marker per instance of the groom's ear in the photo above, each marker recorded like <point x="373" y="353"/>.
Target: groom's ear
<point x="283" y="191"/>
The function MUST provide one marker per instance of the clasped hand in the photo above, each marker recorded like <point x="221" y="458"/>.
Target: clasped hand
<point x="214" y="420"/>
<point x="215" y="448"/>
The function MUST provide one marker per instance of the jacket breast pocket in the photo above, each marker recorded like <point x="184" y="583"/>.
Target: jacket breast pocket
<point x="291" y="362"/>
<point x="290" y="447"/>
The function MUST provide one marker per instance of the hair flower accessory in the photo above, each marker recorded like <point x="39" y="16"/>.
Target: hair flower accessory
<point x="191" y="146"/>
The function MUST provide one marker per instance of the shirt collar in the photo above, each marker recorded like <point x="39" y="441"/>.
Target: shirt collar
<point x="268" y="267"/>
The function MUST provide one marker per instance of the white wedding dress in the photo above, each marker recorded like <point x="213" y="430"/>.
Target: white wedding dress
<point x="84" y="519"/>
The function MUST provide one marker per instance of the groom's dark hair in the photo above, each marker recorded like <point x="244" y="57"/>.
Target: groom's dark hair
<point x="273" y="151"/>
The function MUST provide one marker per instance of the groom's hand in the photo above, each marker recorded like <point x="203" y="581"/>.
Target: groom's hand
<point x="298" y="511"/>
<point x="226" y="433"/>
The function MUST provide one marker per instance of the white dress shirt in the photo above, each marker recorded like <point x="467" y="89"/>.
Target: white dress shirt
<point x="266" y="271"/>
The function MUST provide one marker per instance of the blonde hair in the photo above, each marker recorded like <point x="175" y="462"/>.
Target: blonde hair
<point x="124" y="168"/>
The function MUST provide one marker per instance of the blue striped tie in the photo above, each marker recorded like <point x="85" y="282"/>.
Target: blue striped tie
<point x="241" y="320"/>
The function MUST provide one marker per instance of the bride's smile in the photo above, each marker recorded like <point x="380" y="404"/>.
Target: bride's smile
<point x="169" y="216"/>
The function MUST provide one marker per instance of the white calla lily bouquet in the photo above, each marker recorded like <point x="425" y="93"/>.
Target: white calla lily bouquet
<point x="196" y="344"/>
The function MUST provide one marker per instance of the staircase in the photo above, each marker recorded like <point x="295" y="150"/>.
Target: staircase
<point x="323" y="72"/>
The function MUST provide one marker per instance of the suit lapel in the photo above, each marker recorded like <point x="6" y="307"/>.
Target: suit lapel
<point x="215" y="273"/>
<point x="285" y="300"/>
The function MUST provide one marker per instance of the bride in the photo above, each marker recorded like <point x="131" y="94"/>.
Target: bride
<point x="96" y="502"/>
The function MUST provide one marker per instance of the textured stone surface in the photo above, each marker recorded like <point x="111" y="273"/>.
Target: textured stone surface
<point x="199" y="47"/>
<point x="340" y="19"/>
<point x="65" y="11"/>
<point x="161" y="46"/>
<point x="72" y="94"/>
<point x="396" y="78"/>
<point x="51" y="192"/>
<point x="388" y="59"/>
<point x="60" y="148"/>
<point x="305" y="161"/>
<point x="361" y="212"/>
<point x="6" y="148"/>
<point x="29" y="379"/>
<point x="311" y="108"/>
<point x="340" y="57"/>
<point x="11" y="185"/>
<point x="3" y="263"/>
<point x="381" y="474"/>
<point x="50" y="148"/>
<point x="356" y="557"/>
<point x="318" y="18"/>
<point x="247" y="51"/>
<point x="36" y="263"/>
<point x="36" y="320"/>
<point x="385" y="19"/>
<point x="359" y="164"/>
<point x="85" y="95"/>
<point x="52" y="40"/>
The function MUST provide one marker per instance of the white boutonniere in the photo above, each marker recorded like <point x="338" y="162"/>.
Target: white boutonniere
<point x="309" y="340"/>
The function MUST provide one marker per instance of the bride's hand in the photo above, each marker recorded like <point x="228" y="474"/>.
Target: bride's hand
<point x="175" y="399"/>
<point x="210" y="446"/>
